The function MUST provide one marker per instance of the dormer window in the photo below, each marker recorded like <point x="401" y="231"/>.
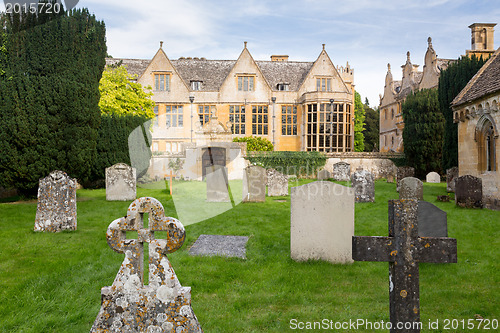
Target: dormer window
<point x="283" y="86"/>
<point x="246" y="82"/>
<point x="196" y="85"/>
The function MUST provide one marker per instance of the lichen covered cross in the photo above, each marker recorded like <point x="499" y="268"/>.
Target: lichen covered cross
<point x="130" y="306"/>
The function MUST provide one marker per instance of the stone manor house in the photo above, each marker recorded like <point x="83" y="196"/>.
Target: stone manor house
<point x="201" y="105"/>
<point x="395" y="91"/>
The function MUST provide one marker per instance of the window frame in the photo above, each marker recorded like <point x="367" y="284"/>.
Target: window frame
<point x="260" y="126"/>
<point x="289" y="120"/>
<point x="237" y="117"/>
<point x="160" y="86"/>
<point x="178" y="115"/>
<point x="245" y="82"/>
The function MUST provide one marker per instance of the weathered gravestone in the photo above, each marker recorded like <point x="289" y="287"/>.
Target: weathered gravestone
<point x="324" y="175"/>
<point x="120" y="183"/>
<point x="402" y="173"/>
<point x="322" y="222"/>
<point x="433" y="177"/>
<point x="341" y="171"/>
<point x="404" y="250"/>
<point x="217" y="184"/>
<point x="451" y="176"/>
<point x="411" y="188"/>
<point x="277" y="183"/>
<point x="390" y="178"/>
<point x="254" y="184"/>
<point x="432" y="221"/>
<point x="363" y="185"/>
<point x="220" y="245"/>
<point x="130" y="306"/>
<point x="469" y="192"/>
<point x="56" y="208"/>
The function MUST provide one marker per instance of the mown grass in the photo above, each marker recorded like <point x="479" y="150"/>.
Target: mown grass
<point x="52" y="282"/>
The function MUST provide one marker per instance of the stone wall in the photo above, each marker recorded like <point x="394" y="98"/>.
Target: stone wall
<point x="377" y="164"/>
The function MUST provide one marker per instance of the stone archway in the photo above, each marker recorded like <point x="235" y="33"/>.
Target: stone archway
<point x="486" y="135"/>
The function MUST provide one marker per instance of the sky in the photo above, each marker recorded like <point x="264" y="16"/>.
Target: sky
<point x="368" y="34"/>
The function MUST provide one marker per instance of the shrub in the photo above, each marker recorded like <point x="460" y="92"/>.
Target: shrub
<point x="299" y="163"/>
<point x="256" y="143"/>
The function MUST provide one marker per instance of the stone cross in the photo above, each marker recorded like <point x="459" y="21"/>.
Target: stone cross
<point x="404" y="249"/>
<point x="130" y="306"/>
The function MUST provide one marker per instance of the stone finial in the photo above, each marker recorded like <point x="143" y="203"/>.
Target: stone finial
<point x="324" y="46"/>
<point x="388" y="67"/>
<point x="429" y="41"/>
<point x="245" y="44"/>
<point x="408" y="56"/>
<point x="161" y="44"/>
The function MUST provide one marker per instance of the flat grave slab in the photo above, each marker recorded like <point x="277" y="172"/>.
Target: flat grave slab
<point x="220" y="245"/>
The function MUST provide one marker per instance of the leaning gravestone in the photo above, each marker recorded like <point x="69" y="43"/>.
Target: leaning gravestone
<point x="341" y="171"/>
<point x="130" y="306"/>
<point x="363" y="185"/>
<point x="433" y="177"/>
<point x="469" y="192"/>
<point x="220" y="245"/>
<point x="402" y="173"/>
<point x="254" y="184"/>
<point x="324" y="175"/>
<point x="411" y="188"/>
<point x="404" y="249"/>
<point x="56" y="208"/>
<point x="120" y="183"/>
<point x="432" y="221"/>
<point x="322" y="222"/>
<point x="217" y="184"/>
<point x="451" y="176"/>
<point x="277" y="183"/>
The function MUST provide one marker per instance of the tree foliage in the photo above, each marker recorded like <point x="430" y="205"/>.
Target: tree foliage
<point x="371" y="131"/>
<point x="49" y="96"/>
<point x="256" y="143"/>
<point x="299" y="163"/>
<point x="119" y="95"/>
<point x="423" y="131"/>
<point x="451" y="82"/>
<point x="359" y="123"/>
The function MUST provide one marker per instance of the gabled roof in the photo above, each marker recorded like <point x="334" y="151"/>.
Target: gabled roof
<point x="485" y="82"/>
<point x="211" y="72"/>
<point x="134" y="66"/>
<point x="291" y="72"/>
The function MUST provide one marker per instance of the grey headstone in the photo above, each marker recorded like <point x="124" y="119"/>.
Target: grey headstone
<point x="277" y="183"/>
<point x="56" y="208"/>
<point x="120" y="183"/>
<point x="322" y="222"/>
<point x="217" y="184"/>
<point x="411" y="188"/>
<point x="341" y="171"/>
<point x="451" y="176"/>
<point x="432" y="221"/>
<point x="433" y="177"/>
<point x="390" y="178"/>
<point x="364" y="186"/>
<point x="402" y="173"/>
<point x="324" y="175"/>
<point x="218" y="245"/>
<point x="254" y="184"/>
<point x="469" y="192"/>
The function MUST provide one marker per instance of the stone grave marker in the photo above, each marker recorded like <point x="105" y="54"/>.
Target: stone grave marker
<point x="277" y="183"/>
<point x="469" y="192"/>
<point x="120" y="183"/>
<point x="390" y="178"/>
<point x="324" y="175"/>
<point x="451" y="176"/>
<point x="322" y="222"/>
<point x="432" y="221"/>
<point x="443" y="198"/>
<point x="404" y="250"/>
<point x="411" y="188"/>
<point x="217" y="184"/>
<point x="341" y="171"/>
<point x="433" y="177"/>
<point x="402" y="173"/>
<point x="128" y="305"/>
<point x="219" y="245"/>
<point x="56" y="207"/>
<point x="363" y="185"/>
<point x="254" y="184"/>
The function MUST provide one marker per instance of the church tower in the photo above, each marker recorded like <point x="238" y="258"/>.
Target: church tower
<point x="482" y="45"/>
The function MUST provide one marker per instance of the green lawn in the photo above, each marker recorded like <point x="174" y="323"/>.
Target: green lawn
<point x="51" y="282"/>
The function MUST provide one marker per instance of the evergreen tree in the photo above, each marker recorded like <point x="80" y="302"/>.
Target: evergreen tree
<point x="451" y="82"/>
<point x="359" y="122"/>
<point x="423" y="131"/>
<point x="49" y="99"/>
<point x="371" y="131"/>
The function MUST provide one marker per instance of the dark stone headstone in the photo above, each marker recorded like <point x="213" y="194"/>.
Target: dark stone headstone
<point x="432" y="221"/>
<point x="411" y="188"/>
<point x="451" y="176"/>
<point x="404" y="250"/>
<point x="219" y="245"/>
<point x="402" y="173"/>
<point x="469" y="192"/>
